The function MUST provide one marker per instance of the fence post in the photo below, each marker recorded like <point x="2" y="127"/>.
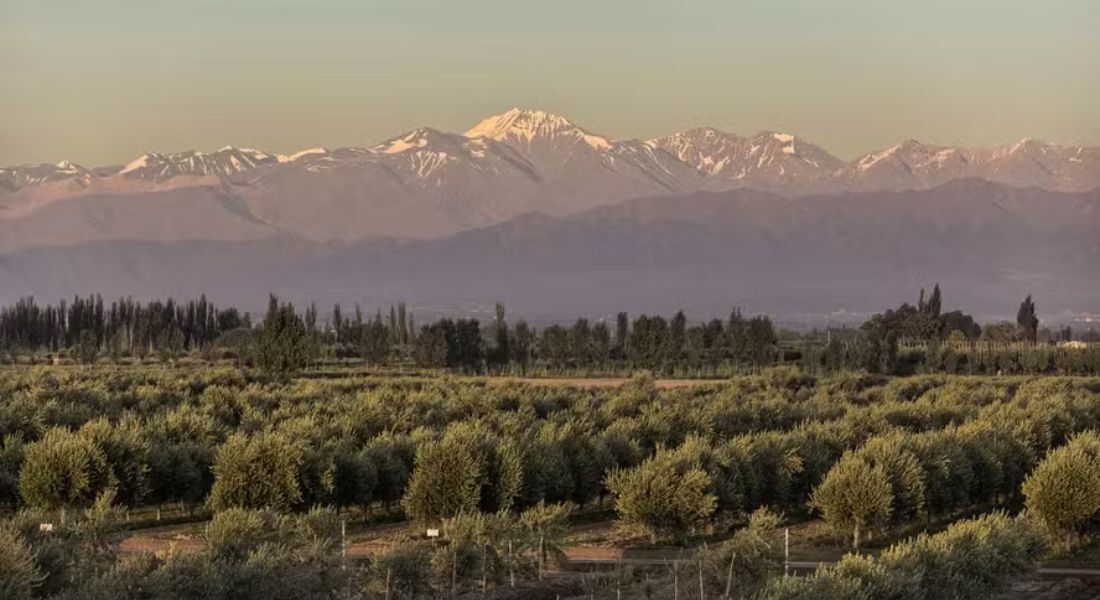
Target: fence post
<point x="729" y="576"/>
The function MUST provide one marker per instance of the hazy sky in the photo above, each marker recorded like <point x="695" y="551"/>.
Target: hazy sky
<point x="100" y="82"/>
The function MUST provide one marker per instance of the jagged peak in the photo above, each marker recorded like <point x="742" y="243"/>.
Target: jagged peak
<point x="419" y="138"/>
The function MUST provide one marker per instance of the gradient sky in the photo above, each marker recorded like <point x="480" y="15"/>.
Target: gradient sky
<point x="100" y="82"/>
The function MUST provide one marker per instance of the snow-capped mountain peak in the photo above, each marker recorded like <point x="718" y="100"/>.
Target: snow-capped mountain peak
<point x="419" y="139"/>
<point x="528" y="126"/>
<point x="225" y="161"/>
<point x="556" y="162"/>
<point x="708" y="150"/>
<point x="15" y="177"/>
<point x="907" y="151"/>
<point x="769" y="159"/>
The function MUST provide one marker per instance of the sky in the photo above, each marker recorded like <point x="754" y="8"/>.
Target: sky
<point x="100" y="82"/>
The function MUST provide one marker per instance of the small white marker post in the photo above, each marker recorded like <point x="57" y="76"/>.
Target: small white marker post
<point x="787" y="551"/>
<point x="344" y="543"/>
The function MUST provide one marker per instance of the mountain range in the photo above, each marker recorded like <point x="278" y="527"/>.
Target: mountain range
<point x="529" y="207"/>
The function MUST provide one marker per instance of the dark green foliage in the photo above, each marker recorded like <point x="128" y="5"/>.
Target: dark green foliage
<point x="667" y="495"/>
<point x="855" y="497"/>
<point x="283" y="346"/>
<point x="235" y="532"/>
<point x="180" y="473"/>
<point x="252" y="556"/>
<point x="741" y="566"/>
<point x="63" y="470"/>
<point x="1027" y="322"/>
<point x="971" y="560"/>
<point x="261" y="471"/>
<point x="406" y="571"/>
<point x="905" y="340"/>
<point x="19" y="573"/>
<point x="1063" y="492"/>
<point x="445" y="482"/>
<point x="125" y="327"/>
<point x="463" y="449"/>
<point x="11" y="459"/>
<point x="127" y="451"/>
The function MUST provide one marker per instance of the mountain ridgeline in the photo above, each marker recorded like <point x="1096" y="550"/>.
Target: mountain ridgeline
<point x="530" y="208"/>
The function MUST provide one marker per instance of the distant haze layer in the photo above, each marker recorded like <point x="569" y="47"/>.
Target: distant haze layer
<point x="101" y="82"/>
<point x="557" y="219"/>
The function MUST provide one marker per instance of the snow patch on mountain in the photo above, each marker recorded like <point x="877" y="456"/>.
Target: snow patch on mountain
<point x="557" y="149"/>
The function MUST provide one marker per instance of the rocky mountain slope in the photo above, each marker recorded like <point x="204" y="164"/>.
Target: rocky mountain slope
<point x="427" y="183"/>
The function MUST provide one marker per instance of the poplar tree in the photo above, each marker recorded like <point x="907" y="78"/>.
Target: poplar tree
<point x="283" y="346"/>
<point x="1027" y="323"/>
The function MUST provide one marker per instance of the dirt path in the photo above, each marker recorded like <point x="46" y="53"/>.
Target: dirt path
<point x="597" y="382"/>
<point x="580" y="556"/>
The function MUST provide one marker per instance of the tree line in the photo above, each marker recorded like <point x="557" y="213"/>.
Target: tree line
<point x="89" y="326"/>
<point x="286" y="340"/>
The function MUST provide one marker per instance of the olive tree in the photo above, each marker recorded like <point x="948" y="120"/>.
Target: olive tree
<point x="854" y="497"/>
<point x="663" y="496"/>
<point x="1064" y="490"/>
<point x="261" y="471"/>
<point x="446" y="481"/>
<point x="63" y="470"/>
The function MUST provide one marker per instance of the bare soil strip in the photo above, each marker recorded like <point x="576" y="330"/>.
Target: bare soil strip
<point x="599" y="382"/>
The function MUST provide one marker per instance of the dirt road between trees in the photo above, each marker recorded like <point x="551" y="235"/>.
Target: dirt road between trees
<point x="598" y="382"/>
<point x="580" y="557"/>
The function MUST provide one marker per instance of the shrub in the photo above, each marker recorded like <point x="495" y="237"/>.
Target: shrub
<point x="404" y="573"/>
<point x="19" y="574"/>
<point x="971" y="560"/>
<point x="234" y="532"/>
